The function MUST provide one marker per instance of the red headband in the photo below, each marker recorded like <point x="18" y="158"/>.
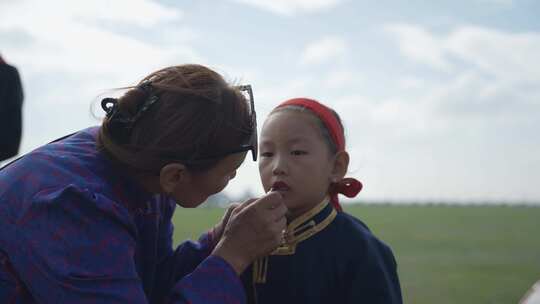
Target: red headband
<point x="348" y="186"/>
<point x="325" y="115"/>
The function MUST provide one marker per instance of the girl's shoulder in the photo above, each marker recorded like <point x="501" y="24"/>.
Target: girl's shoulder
<point x="354" y="236"/>
<point x="351" y="226"/>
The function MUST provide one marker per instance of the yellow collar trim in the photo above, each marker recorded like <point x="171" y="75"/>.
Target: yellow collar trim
<point x="303" y="228"/>
<point x="297" y="231"/>
<point x="309" y="214"/>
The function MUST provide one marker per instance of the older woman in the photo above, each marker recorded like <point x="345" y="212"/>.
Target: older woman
<point x="87" y="218"/>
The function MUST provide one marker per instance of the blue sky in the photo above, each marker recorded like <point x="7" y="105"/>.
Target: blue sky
<point x="440" y="99"/>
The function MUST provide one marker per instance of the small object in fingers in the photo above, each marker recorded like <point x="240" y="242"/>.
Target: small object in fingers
<point x="271" y="207"/>
<point x="284" y="237"/>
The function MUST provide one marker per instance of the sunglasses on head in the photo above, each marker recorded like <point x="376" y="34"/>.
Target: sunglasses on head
<point x="251" y="144"/>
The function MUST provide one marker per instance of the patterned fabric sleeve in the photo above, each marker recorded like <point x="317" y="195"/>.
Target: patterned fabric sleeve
<point x="75" y="247"/>
<point x="190" y="265"/>
<point x="214" y="281"/>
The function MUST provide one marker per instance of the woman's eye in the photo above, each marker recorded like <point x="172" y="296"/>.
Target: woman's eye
<point x="266" y="154"/>
<point x="298" y="152"/>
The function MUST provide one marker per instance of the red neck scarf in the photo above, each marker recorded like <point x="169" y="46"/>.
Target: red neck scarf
<point x="347" y="186"/>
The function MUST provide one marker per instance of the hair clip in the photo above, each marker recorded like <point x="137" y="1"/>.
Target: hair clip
<point x="118" y="126"/>
<point x="110" y="106"/>
<point x="149" y="100"/>
<point x="121" y="124"/>
<point x="146" y="86"/>
<point x="145" y="106"/>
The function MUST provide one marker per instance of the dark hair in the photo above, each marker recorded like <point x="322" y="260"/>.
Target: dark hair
<point x="196" y="114"/>
<point x="322" y="128"/>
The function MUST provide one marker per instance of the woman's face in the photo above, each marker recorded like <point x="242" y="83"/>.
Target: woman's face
<point x="202" y="185"/>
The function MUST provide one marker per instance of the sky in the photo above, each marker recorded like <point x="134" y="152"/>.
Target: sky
<point x="440" y="99"/>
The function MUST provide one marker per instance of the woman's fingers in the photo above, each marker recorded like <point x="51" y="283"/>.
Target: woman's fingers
<point x="269" y="207"/>
<point x="240" y="206"/>
<point x="278" y="214"/>
<point x="274" y="208"/>
<point x="229" y="211"/>
<point x="255" y="228"/>
<point x="271" y="200"/>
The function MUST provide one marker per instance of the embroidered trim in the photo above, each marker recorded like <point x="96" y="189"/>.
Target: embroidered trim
<point x="260" y="268"/>
<point x="304" y="217"/>
<point x="298" y="230"/>
<point x="289" y="248"/>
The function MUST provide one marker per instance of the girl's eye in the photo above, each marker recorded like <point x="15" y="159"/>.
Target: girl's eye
<point x="266" y="154"/>
<point x="298" y="152"/>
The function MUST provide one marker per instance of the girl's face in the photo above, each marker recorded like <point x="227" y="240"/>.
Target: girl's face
<point x="201" y="185"/>
<point x="295" y="159"/>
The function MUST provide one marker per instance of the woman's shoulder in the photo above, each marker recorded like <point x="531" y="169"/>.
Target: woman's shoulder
<point x="67" y="147"/>
<point x="72" y="163"/>
<point x="55" y="162"/>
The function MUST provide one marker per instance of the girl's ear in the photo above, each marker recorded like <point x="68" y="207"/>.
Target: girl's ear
<point x="172" y="176"/>
<point x="341" y="165"/>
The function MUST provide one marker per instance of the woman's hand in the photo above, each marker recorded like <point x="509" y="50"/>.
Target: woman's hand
<point x="254" y="229"/>
<point x="217" y="231"/>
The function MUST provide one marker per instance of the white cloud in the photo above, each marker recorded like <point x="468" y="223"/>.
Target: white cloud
<point x="419" y="45"/>
<point x="494" y="74"/>
<point x="324" y="50"/>
<point x="74" y="50"/>
<point x="67" y="36"/>
<point x="504" y="55"/>
<point x="497" y="2"/>
<point x="507" y="56"/>
<point x="291" y="7"/>
<point x="411" y="82"/>
<point x="54" y="13"/>
<point x="459" y="131"/>
<point x="341" y="77"/>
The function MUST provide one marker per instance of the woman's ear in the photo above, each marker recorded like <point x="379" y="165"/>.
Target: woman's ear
<point x="172" y="176"/>
<point x="341" y="165"/>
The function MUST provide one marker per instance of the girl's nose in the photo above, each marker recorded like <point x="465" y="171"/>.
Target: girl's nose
<point x="278" y="171"/>
<point x="280" y="166"/>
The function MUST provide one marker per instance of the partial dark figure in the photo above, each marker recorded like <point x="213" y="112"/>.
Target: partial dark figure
<point x="11" y="99"/>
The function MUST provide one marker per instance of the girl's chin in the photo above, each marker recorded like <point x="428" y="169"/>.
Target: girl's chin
<point x="296" y="209"/>
<point x="293" y="214"/>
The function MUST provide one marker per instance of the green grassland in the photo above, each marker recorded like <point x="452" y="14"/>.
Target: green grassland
<point x="445" y="254"/>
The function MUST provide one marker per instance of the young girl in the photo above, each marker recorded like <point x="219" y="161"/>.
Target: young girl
<point x="327" y="255"/>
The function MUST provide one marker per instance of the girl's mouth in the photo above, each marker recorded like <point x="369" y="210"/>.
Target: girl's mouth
<point x="280" y="186"/>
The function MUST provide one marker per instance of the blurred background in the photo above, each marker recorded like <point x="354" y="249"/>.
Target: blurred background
<point x="440" y="101"/>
